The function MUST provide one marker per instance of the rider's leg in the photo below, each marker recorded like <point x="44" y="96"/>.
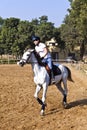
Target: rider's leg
<point x="52" y="77"/>
<point x="49" y="61"/>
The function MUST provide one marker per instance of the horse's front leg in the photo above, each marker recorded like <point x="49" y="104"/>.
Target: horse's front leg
<point x="41" y="102"/>
<point x="38" y="88"/>
<point x="44" y="98"/>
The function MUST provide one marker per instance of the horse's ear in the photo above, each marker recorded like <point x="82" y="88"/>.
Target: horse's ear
<point x="32" y="50"/>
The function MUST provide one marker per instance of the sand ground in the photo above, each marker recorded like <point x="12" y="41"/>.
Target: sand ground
<point x="20" y="111"/>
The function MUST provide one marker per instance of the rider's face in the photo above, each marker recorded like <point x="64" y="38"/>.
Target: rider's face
<point x="36" y="42"/>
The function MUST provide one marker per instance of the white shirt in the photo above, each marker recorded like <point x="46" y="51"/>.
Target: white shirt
<point x="40" y="49"/>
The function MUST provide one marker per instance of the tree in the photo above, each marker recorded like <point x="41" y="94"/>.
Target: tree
<point x="79" y="11"/>
<point x="1" y="21"/>
<point x="24" y="36"/>
<point x="15" y="35"/>
<point x="74" y="29"/>
<point x="8" y="33"/>
<point x="43" y="19"/>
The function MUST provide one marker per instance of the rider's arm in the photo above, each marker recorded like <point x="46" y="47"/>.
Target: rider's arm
<point x="45" y="51"/>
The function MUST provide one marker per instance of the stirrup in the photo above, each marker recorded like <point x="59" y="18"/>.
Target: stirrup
<point x="52" y="81"/>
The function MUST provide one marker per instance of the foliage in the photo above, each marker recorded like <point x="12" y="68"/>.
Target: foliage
<point x="15" y="35"/>
<point x="74" y="29"/>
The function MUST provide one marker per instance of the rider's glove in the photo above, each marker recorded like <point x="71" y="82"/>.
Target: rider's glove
<point x="41" y="58"/>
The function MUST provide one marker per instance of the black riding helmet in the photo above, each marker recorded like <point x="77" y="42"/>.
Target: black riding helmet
<point x="35" y="38"/>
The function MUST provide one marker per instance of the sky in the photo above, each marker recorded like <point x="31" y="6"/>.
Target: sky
<point x="55" y="10"/>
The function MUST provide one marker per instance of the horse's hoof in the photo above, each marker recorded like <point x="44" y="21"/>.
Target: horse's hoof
<point x="42" y="113"/>
<point x="65" y="105"/>
<point x="45" y="104"/>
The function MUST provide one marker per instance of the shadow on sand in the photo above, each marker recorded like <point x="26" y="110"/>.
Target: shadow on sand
<point x="70" y="105"/>
<point x="81" y="102"/>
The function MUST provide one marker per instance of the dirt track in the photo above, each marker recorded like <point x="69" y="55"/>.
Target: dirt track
<point x="20" y="111"/>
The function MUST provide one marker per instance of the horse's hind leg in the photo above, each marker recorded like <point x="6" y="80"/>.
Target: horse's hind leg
<point x="64" y="93"/>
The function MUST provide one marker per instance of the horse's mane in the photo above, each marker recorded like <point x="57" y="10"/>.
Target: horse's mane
<point x="39" y="59"/>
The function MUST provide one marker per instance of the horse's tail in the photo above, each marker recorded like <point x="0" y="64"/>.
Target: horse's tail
<point x="69" y="74"/>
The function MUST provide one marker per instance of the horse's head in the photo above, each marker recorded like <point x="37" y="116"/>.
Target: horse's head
<point x="26" y="57"/>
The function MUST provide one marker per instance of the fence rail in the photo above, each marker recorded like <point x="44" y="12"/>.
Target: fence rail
<point x="14" y="61"/>
<point x="77" y="65"/>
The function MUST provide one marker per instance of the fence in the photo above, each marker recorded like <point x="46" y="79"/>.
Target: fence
<point x="8" y="59"/>
<point x="77" y="64"/>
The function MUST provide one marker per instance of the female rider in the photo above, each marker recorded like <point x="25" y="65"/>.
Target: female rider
<point x="44" y="54"/>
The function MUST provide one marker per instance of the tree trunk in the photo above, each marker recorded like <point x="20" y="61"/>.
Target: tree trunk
<point x="82" y="50"/>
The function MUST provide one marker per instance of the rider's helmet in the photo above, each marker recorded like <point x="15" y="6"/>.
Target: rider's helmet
<point x="35" y="38"/>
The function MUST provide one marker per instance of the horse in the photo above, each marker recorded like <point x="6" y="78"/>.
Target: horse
<point x="42" y="78"/>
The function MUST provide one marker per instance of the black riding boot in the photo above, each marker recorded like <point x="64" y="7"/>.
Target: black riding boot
<point x="52" y="77"/>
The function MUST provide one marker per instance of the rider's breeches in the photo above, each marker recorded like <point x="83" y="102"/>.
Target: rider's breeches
<point x="48" y="61"/>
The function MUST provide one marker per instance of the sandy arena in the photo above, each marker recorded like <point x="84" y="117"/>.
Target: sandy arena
<point x="20" y="111"/>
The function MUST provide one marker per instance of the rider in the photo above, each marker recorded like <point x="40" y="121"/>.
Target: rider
<point x="44" y="54"/>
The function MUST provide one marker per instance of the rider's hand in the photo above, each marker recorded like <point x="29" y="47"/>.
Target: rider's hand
<point x="41" y="58"/>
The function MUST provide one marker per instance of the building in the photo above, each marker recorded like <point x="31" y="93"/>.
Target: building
<point x="53" y="48"/>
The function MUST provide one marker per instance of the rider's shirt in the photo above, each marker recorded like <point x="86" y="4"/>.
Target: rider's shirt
<point x="40" y="50"/>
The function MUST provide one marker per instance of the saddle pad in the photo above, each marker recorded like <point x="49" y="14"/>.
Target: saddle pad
<point x="56" y="70"/>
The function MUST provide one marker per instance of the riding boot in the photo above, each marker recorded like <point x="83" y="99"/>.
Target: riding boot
<point x="52" y="77"/>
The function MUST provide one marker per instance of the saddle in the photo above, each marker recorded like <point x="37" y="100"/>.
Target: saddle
<point x="55" y="68"/>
